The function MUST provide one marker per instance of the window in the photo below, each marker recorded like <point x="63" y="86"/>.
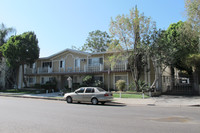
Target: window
<point x="98" y="78"/>
<point x="47" y="64"/>
<point x="77" y="62"/>
<point x="100" y="89"/>
<point x="46" y="79"/>
<point x="75" y="79"/>
<point x="31" y="80"/>
<point x="32" y="65"/>
<point x="61" y="64"/>
<point x="95" y="61"/>
<point x="42" y="80"/>
<point x="81" y="90"/>
<point x="89" y="90"/>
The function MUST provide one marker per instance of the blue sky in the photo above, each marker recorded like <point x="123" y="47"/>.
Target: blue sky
<point x="59" y="24"/>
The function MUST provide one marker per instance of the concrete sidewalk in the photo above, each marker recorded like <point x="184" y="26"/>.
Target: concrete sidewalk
<point x="164" y="100"/>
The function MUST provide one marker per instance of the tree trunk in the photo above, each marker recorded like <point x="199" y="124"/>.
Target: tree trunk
<point x="196" y="81"/>
<point x="23" y="78"/>
<point x="172" y="78"/>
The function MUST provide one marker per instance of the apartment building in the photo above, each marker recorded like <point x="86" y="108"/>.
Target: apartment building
<point x="78" y="64"/>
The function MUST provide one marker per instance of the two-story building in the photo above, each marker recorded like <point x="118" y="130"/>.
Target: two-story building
<point x="78" y="64"/>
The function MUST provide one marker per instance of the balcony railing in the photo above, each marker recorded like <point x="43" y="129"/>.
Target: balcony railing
<point x="30" y="71"/>
<point x="120" y="67"/>
<point x="44" y="70"/>
<point x="85" y="68"/>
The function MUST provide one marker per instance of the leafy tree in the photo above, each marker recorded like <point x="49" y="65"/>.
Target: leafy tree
<point x="158" y="54"/>
<point x="193" y="14"/>
<point x="171" y="48"/>
<point x="21" y="49"/>
<point x="181" y="43"/>
<point x="97" y="41"/>
<point x="133" y="32"/>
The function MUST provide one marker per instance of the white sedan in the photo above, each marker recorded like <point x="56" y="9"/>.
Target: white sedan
<point x="89" y="94"/>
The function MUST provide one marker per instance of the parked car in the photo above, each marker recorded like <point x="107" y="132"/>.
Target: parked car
<point x="89" y="94"/>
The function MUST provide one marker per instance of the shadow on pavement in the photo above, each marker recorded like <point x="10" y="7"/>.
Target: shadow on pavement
<point x="110" y="104"/>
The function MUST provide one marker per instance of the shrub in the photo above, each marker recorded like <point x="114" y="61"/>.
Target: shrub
<point x="98" y="83"/>
<point x="87" y="80"/>
<point x="121" y="84"/>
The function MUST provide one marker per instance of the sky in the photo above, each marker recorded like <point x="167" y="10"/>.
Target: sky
<point x="61" y="24"/>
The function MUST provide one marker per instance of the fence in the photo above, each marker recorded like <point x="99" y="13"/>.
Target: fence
<point x="178" y="85"/>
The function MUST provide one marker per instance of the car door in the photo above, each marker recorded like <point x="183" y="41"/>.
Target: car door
<point x="89" y="93"/>
<point x="79" y="94"/>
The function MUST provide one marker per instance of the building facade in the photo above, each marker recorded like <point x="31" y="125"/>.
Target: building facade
<point x="78" y="64"/>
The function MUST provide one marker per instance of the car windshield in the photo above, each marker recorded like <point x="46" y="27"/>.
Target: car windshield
<point x="100" y="89"/>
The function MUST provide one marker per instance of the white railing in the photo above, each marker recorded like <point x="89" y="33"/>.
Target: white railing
<point x="120" y="67"/>
<point x="94" y="68"/>
<point x="45" y="70"/>
<point x="100" y="67"/>
<point x="30" y="71"/>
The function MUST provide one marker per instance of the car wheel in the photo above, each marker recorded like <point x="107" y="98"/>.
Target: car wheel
<point x="94" y="101"/>
<point x="69" y="100"/>
<point x="102" y="103"/>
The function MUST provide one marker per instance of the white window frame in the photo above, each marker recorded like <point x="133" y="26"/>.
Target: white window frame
<point x="95" y="64"/>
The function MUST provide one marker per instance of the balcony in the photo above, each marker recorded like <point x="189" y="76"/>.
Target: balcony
<point x="30" y="71"/>
<point x="45" y="70"/>
<point x="120" y="67"/>
<point x="85" y="68"/>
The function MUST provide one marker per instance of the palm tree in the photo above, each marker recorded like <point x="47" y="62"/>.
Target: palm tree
<point x="4" y="34"/>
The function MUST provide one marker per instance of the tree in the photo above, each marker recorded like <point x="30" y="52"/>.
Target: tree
<point x="181" y="42"/>
<point x="133" y="32"/>
<point x="97" y="41"/>
<point x="193" y="15"/>
<point x="158" y="54"/>
<point x="21" y="49"/>
<point x="172" y="47"/>
<point x="4" y="33"/>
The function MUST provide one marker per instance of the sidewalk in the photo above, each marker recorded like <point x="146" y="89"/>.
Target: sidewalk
<point x="47" y="96"/>
<point x="164" y="100"/>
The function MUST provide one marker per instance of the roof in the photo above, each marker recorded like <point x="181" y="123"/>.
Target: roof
<point x="76" y="51"/>
<point x="70" y="50"/>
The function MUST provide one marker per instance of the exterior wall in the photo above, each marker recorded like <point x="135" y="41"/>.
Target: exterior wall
<point x="77" y="74"/>
<point x="55" y="66"/>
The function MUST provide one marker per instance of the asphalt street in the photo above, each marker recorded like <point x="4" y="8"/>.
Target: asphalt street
<point x="46" y="116"/>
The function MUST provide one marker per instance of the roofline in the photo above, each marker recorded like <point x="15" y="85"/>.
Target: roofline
<point x="72" y="50"/>
<point x="77" y="51"/>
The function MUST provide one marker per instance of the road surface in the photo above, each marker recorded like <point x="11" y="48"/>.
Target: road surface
<point x="22" y="115"/>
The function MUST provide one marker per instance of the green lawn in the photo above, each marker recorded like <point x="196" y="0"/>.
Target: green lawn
<point x="117" y="95"/>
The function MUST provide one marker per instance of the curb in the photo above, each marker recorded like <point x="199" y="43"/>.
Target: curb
<point x="32" y="97"/>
